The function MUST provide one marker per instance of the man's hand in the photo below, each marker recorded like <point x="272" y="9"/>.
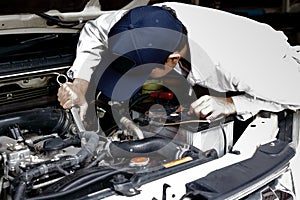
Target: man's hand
<point x="73" y="94"/>
<point x="211" y="107"/>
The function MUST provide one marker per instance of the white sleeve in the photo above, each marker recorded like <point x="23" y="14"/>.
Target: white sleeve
<point x="92" y="42"/>
<point x="248" y="106"/>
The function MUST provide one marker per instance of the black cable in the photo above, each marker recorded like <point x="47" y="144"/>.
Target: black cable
<point x="225" y="138"/>
<point x="84" y="179"/>
<point x="99" y="158"/>
<point x="59" y="22"/>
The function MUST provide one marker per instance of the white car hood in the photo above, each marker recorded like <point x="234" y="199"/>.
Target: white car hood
<point x="34" y="16"/>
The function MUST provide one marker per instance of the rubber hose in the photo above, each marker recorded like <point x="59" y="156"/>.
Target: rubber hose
<point x="147" y="145"/>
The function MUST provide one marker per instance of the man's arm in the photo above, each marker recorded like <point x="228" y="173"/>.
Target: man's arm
<point x="244" y="106"/>
<point x="92" y="42"/>
<point x="248" y="106"/>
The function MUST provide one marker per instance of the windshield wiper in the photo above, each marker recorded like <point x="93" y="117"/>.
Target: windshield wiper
<point x="27" y="43"/>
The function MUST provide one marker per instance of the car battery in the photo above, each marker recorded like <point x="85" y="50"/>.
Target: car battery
<point x="208" y="135"/>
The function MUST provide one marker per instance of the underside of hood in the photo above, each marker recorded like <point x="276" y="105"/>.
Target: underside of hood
<point x="45" y="15"/>
<point x="63" y="6"/>
<point x="35" y="6"/>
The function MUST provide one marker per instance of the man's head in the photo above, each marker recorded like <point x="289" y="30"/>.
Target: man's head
<point x="146" y="41"/>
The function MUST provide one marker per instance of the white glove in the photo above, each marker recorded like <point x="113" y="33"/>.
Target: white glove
<point x="209" y="107"/>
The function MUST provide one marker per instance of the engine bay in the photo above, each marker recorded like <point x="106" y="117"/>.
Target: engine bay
<point x="45" y="155"/>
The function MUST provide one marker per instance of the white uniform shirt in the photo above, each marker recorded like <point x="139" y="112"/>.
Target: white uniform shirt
<point x="228" y="53"/>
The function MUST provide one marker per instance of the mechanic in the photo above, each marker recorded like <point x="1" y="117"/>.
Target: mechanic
<point x="226" y="53"/>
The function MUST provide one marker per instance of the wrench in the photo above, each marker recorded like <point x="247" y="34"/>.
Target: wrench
<point x="61" y="79"/>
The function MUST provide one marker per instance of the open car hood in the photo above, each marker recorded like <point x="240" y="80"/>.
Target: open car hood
<point x="34" y="6"/>
<point x="17" y="16"/>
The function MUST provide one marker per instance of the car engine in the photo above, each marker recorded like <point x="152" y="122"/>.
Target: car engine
<point x="45" y="155"/>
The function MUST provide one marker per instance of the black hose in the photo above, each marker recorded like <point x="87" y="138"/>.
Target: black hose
<point x="20" y="191"/>
<point x="34" y="121"/>
<point x="147" y="145"/>
<point x="79" y="187"/>
<point x="84" y="179"/>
